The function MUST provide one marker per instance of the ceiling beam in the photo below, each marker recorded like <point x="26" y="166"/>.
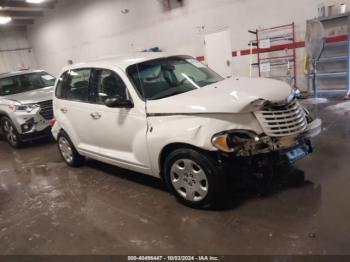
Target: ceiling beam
<point x="10" y="26"/>
<point x="22" y="22"/>
<point x="23" y="4"/>
<point x="19" y="14"/>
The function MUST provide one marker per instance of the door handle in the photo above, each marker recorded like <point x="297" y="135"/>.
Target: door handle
<point x="95" y="116"/>
<point x="64" y="110"/>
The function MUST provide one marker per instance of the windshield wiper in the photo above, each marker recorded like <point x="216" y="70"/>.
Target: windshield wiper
<point x="171" y="94"/>
<point x="209" y="82"/>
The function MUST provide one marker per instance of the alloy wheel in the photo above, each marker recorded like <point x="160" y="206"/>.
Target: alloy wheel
<point x="10" y="132"/>
<point x="66" y="149"/>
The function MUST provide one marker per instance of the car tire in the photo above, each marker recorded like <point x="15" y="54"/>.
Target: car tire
<point x="10" y="132"/>
<point x="195" y="179"/>
<point x="68" y="152"/>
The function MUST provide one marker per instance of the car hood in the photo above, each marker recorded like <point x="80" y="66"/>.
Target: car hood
<point x="34" y="96"/>
<point x="232" y="95"/>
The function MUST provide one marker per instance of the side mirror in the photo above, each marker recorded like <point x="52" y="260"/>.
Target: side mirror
<point x="116" y="102"/>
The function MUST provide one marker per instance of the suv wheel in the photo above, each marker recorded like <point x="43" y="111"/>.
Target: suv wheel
<point x="10" y="132"/>
<point x="68" y="152"/>
<point x="194" y="178"/>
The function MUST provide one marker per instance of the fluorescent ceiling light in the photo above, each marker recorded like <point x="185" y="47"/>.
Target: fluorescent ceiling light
<point x="35" y="1"/>
<point x="5" y="20"/>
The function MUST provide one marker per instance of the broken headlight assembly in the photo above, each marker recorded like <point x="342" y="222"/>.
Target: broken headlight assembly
<point x="233" y="141"/>
<point x="24" y="108"/>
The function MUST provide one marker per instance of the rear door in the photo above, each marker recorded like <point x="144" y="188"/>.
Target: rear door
<point x="74" y="110"/>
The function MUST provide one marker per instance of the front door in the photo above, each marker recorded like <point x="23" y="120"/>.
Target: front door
<point x="122" y="131"/>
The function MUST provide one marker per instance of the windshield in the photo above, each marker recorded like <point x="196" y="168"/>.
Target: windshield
<point x="25" y="83"/>
<point x="171" y="76"/>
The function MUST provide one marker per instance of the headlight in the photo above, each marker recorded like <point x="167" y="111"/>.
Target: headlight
<point x="232" y="141"/>
<point x="221" y="143"/>
<point x="24" y="108"/>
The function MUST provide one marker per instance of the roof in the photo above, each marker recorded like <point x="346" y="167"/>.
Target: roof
<point x="18" y="73"/>
<point x="121" y="61"/>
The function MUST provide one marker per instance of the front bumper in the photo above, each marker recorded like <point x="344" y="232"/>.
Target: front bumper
<point x="267" y="144"/>
<point x="313" y="129"/>
<point x="30" y="124"/>
<point x="263" y="163"/>
<point x="36" y="135"/>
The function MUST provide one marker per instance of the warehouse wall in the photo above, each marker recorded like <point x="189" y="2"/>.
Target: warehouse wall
<point x="14" y="51"/>
<point x="86" y="29"/>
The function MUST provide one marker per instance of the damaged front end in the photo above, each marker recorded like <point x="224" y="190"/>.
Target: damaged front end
<point x="32" y="120"/>
<point x="287" y="128"/>
<point x="244" y="143"/>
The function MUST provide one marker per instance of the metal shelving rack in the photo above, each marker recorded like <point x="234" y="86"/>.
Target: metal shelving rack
<point x="332" y="69"/>
<point x="280" y="55"/>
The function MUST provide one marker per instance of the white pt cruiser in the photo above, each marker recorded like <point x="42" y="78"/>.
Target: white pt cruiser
<point x="174" y="118"/>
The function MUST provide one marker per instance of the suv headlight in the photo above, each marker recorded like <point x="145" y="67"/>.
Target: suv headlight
<point x="24" y="108"/>
<point x="232" y="141"/>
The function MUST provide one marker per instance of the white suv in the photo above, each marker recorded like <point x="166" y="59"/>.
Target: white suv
<point x="174" y="118"/>
<point x="26" y="106"/>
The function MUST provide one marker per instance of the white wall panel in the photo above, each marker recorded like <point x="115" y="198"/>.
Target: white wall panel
<point x="87" y="29"/>
<point x="15" y="53"/>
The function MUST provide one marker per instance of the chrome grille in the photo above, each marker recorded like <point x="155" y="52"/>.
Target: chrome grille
<point x="285" y="120"/>
<point x="46" y="109"/>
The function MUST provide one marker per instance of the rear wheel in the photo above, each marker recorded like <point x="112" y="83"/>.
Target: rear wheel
<point x="194" y="178"/>
<point x="10" y="133"/>
<point x="68" y="152"/>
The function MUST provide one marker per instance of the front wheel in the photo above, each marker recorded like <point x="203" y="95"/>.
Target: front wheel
<point x="68" y="152"/>
<point x="194" y="178"/>
<point x="10" y="133"/>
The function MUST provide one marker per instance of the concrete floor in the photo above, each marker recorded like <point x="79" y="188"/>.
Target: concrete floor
<point x="48" y="208"/>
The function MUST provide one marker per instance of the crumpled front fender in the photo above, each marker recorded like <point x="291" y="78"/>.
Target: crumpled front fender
<point x="193" y="130"/>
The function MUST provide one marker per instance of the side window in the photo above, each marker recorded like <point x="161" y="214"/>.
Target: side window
<point x="59" y="87"/>
<point x="109" y="85"/>
<point x="8" y="86"/>
<point x="75" y="85"/>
